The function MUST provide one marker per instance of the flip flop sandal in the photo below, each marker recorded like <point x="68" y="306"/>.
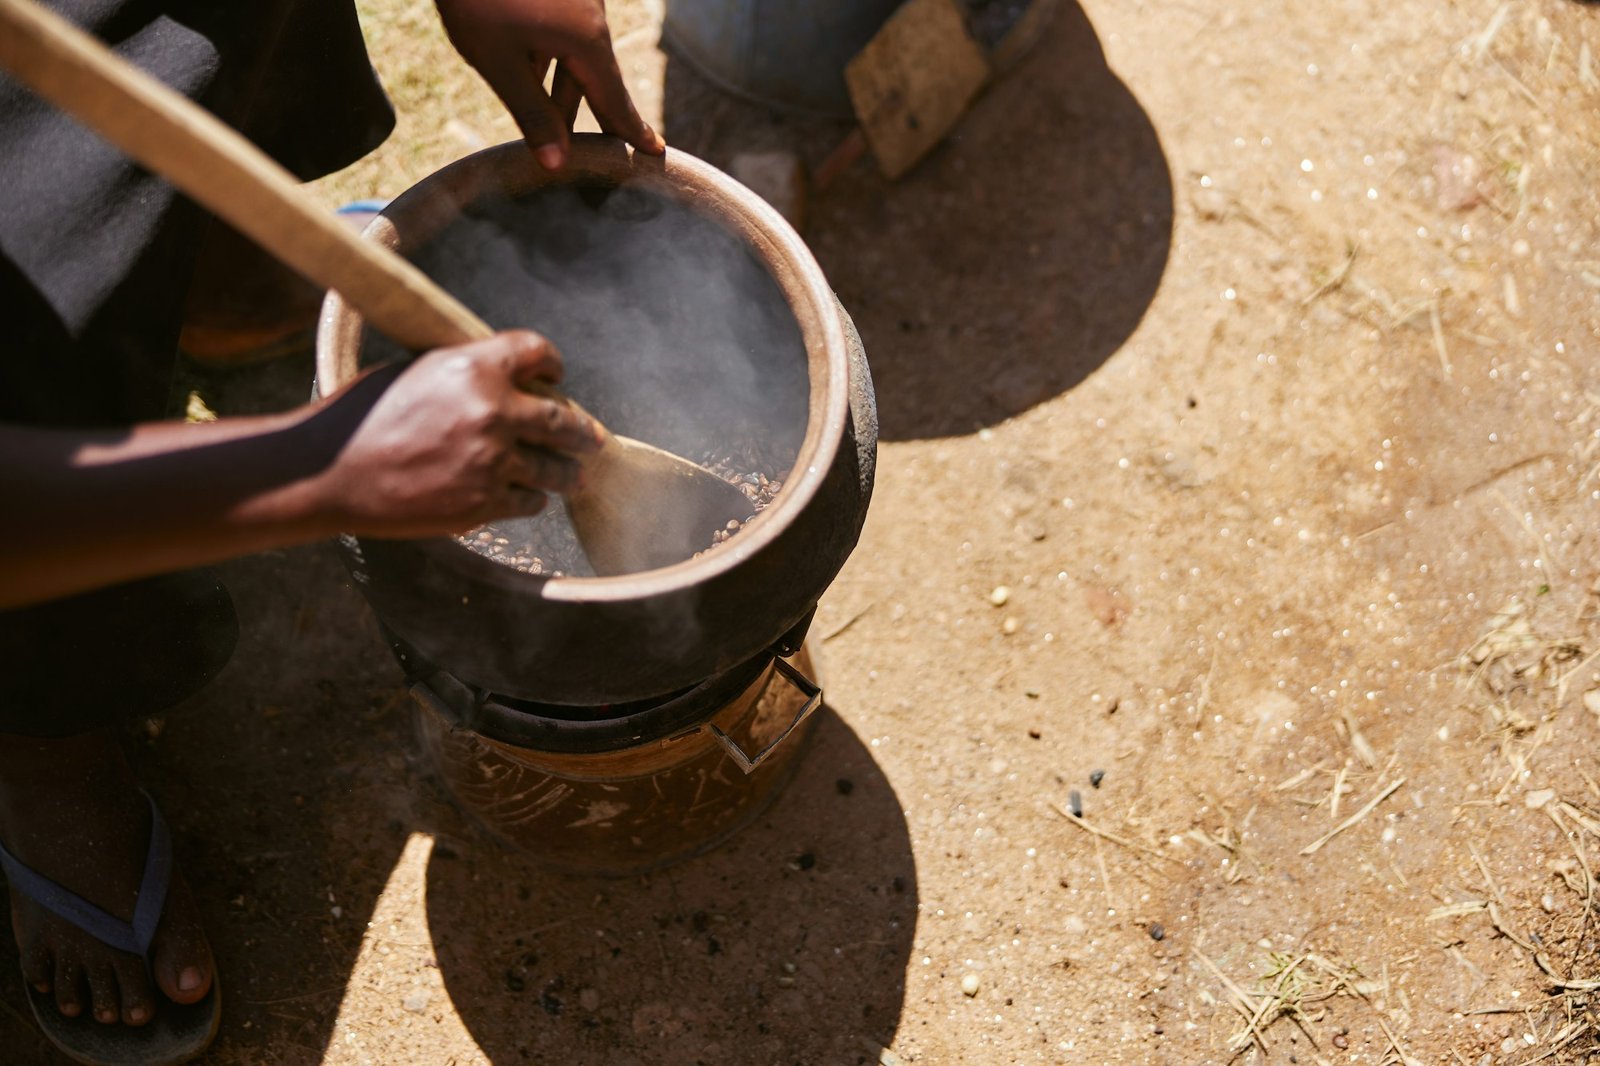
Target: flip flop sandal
<point x="177" y="1033"/>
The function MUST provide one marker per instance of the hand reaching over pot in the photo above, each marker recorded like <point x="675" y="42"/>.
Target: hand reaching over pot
<point x="512" y="44"/>
<point x="443" y="444"/>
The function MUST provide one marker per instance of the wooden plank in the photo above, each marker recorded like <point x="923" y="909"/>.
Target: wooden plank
<point x="914" y="80"/>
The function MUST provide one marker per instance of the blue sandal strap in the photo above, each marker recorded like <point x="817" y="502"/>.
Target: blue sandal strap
<point x="135" y="936"/>
<point x="363" y="207"/>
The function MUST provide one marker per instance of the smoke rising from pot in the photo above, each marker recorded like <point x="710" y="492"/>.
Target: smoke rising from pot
<point x="671" y="331"/>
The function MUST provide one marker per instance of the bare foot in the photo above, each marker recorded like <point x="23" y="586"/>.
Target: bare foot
<point x="70" y="810"/>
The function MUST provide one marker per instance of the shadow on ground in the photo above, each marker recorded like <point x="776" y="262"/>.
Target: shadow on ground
<point x="788" y="944"/>
<point x="930" y="266"/>
<point x="294" y="782"/>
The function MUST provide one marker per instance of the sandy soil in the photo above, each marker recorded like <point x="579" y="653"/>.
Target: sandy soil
<point x="1240" y="442"/>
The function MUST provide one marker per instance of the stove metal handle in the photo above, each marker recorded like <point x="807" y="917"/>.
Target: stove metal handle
<point x="425" y="692"/>
<point x="808" y="688"/>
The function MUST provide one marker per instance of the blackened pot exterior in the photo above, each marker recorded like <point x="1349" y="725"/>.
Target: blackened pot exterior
<point x="598" y="641"/>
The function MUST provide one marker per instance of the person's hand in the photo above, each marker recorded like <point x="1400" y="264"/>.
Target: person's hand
<point x="453" y="440"/>
<point x="512" y="44"/>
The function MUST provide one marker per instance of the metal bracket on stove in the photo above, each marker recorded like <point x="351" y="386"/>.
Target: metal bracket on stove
<point x="460" y="705"/>
<point x="808" y="688"/>
<point x="790" y="642"/>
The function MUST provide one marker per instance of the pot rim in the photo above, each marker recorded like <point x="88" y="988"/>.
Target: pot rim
<point x="600" y="158"/>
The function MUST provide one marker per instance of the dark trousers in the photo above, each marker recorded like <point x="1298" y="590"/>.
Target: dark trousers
<point x="86" y="662"/>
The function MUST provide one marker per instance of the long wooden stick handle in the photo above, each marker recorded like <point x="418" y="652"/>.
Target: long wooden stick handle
<point x="216" y="166"/>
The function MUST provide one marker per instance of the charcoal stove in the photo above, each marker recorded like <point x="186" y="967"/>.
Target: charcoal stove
<point x="620" y="789"/>
<point x="616" y="724"/>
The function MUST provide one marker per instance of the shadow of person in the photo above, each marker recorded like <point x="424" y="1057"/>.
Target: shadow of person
<point x="787" y="944"/>
<point x="1009" y="264"/>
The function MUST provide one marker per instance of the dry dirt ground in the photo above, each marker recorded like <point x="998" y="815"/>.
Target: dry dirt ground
<point x="1250" y="350"/>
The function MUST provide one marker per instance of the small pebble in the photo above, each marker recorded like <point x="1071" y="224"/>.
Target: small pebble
<point x="1009" y="626"/>
<point x="969" y="984"/>
<point x="1000" y="595"/>
<point x="1341" y="1041"/>
<point x="1157" y="931"/>
<point x="790" y="967"/>
<point x="1035" y="734"/>
<point x="1075" y="803"/>
<point x="417" y="1001"/>
<point x="1210" y="204"/>
<point x="1096" y="776"/>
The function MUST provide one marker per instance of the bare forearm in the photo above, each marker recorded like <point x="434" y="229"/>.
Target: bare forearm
<point x="442" y="445"/>
<point x="87" y="509"/>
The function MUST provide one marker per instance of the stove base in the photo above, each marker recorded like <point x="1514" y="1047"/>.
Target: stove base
<point x="631" y="810"/>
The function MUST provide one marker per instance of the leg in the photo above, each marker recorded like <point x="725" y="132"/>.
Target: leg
<point x="244" y="306"/>
<point x="69" y="806"/>
<point x="70" y="810"/>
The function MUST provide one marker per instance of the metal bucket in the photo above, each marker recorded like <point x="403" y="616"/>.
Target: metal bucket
<point x="787" y="54"/>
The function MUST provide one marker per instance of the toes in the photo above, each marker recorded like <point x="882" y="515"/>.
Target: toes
<point x="69" y="987"/>
<point x="181" y="957"/>
<point x="103" y="993"/>
<point x="38" y="968"/>
<point x="138" y="1002"/>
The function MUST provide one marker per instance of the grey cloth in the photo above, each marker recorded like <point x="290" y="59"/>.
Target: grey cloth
<point x="95" y="252"/>
<point x="96" y="255"/>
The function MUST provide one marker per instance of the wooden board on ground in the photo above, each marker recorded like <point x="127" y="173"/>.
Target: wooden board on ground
<point x="914" y="80"/>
